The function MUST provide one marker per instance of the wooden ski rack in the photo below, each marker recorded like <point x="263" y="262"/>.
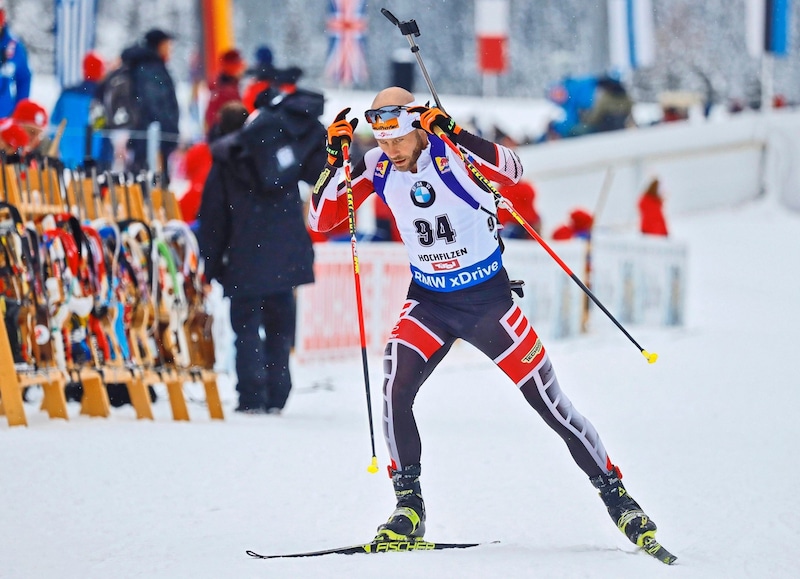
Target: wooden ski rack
<point x="42" y="189"/>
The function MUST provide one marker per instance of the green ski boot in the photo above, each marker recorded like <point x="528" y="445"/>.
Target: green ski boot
<point x="624" y="511"/>
<point x="407" y="522"/>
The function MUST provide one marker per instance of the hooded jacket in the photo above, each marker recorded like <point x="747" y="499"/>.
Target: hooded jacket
<point x="153" y="88"/>
<point x="252" y="231"/>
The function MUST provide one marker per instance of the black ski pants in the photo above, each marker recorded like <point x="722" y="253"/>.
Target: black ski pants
<point x="485" y="316"/>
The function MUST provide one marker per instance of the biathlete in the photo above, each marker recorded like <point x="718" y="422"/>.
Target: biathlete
<point x="448" y="222"/>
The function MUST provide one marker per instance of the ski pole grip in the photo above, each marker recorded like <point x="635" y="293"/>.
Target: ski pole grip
<point x="390" y="17"/>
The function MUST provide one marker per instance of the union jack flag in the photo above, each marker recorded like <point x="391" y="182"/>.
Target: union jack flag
<point x="347" y="24"/>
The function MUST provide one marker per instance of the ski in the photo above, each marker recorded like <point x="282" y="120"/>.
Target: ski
<point x="655" y="549"/>
<point x="375" y="547"/>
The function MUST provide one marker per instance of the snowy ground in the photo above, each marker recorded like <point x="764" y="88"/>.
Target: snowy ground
<point x="701" y="437"/>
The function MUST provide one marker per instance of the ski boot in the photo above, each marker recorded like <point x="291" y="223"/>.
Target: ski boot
<point x="624" y="511"/>
<point x="407" y="522"/>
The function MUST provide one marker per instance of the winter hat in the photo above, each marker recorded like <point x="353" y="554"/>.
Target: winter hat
<point x="156" y="36"/>
<point x="231" y="63"/>
<point x="12" y="134"/>
<point x="93" y="66"/>
<point x="263" y="55"/>
<point x="581" y="220"/>
<point x="28" y="112"/>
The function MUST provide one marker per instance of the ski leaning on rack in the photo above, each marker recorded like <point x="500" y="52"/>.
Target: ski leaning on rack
<point x="375" y="547"/>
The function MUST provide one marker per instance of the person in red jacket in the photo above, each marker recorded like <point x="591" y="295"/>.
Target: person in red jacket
<point x="522" y="196"/>
<point x="580" y="226"/>
<point x="226" y="86"/>
<point x="198" y="164"/>
<point x="651" y="211"/>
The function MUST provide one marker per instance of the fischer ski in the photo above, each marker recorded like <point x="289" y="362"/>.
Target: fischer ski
<point x="655" y="549"/>
<point x="375" y="547"/>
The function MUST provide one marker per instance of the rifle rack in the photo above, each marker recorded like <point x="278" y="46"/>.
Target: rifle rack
<point x="40" y="189"/>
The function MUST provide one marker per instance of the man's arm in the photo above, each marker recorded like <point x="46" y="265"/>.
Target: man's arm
<point x="215" y="223"/>
<point x="328" y="204"/>
<point x="496" y="162"/>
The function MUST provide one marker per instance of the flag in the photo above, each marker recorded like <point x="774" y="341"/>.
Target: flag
<point x="631" y="36"/>
<point x="491" y="29"/>
<point x="768" y="27"/>
<point x="346" y="64"/>
<point x="75" y="28"/>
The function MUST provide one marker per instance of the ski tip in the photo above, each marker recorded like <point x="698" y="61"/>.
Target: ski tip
<point x="657" y="551"/>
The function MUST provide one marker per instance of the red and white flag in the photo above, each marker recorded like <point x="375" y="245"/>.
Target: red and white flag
<point x="491" y="30"/>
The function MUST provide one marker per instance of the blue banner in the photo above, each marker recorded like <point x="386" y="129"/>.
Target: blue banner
<point x="75" y="36"/>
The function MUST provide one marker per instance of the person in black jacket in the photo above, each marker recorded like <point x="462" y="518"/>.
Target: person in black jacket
<point x="253" y="237"/>
<point x="156" y="101"/>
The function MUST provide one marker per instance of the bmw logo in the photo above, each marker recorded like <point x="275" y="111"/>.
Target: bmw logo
<point x="422" y="194"/>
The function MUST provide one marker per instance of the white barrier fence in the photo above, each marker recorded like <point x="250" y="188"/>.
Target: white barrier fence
<point x="640" y="280"/>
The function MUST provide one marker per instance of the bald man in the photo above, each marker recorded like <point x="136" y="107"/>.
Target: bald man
<point x="447" y="220"/>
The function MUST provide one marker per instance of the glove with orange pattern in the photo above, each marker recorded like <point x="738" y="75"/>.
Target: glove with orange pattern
<point x="435" y="118"/>
<point x="340" y="130"/>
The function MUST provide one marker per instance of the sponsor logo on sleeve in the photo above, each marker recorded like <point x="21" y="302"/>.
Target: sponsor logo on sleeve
<point x="443" y="163"/>
<point x="380" y="168"/>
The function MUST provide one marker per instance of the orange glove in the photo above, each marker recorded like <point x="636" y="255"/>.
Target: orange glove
<point x="340" y="130"/>
<point x="435" y="118"/>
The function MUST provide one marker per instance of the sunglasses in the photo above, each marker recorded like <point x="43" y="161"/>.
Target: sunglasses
<point x="384" y="114"/>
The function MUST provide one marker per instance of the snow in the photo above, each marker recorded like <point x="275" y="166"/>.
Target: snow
<point x="701" y="437"/>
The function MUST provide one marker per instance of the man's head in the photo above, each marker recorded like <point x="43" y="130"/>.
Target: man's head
<point x="32" y="117"/>
<point x="231" y="63"/>
<point x="392" y="127"/>
<point x="12" y="136"/>
<point x="231" y="117"/>
<point x="159" y="41"/>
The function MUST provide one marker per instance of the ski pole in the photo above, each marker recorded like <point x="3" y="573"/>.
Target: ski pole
<point x="409" y="29"/>
<point x="651" y="357"/>
<point x="351" y="216"/>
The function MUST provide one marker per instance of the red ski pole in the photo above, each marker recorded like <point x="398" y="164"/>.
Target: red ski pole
<point x="502" y="202"/>
<point x="351" y="216"/>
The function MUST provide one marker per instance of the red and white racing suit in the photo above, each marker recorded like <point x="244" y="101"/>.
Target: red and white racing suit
<point x="459" y="288"/>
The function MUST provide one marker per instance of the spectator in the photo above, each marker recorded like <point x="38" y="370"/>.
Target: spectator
<point x="230" y="118"/>
<point x="32" y="117"/>
<point x="612" y="107"/>
<point x="261" y="72"/>
<point x="651" y="211"/>
<point x="155" y="97"/>
<point x="522" y="196"/>
<point x="15" y="75"/>
<point x="198" y="163"/>
<point x="225" y="87"/>
<point x="580" y="225"/>
<point x="74" y="105"/>
<point x="12" y="137"/>
<point x="253" y="236"/>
